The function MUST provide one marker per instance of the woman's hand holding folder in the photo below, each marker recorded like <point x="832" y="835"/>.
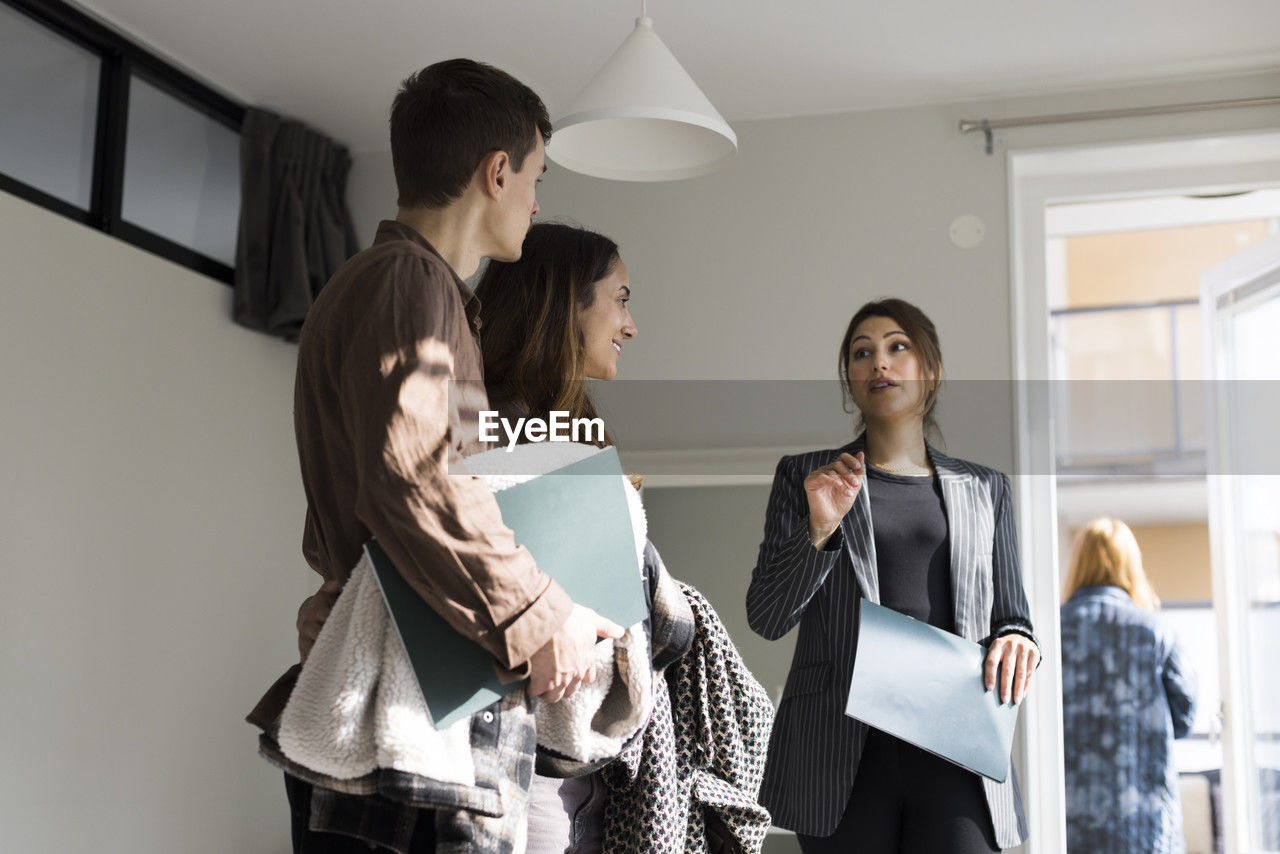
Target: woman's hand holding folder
<point x="1015" y="657"/>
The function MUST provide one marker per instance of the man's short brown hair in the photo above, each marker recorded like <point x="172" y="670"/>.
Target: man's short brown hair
<point x="448" y="117"/>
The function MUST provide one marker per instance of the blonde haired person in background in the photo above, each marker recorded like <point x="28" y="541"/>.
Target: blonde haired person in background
<point x="1126" y="695"/>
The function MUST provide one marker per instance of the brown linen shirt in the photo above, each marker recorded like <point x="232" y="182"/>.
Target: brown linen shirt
<point x="378" y="418"/>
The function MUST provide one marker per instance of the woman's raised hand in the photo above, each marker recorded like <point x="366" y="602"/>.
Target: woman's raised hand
<point x="831" y="491"/>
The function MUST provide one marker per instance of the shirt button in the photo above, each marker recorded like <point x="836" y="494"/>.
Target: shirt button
<point x="487" y="717"/>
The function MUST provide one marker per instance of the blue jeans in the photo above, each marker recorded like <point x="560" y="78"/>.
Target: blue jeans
<point x="566" y="816"/>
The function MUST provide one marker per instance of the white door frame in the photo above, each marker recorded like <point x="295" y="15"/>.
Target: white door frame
<point x="1038" y="178"/>
<point x="1255" y="265"/>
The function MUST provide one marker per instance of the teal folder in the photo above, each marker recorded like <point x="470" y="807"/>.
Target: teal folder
<point x="925" y="686"/>
<point x="576" y="524"/>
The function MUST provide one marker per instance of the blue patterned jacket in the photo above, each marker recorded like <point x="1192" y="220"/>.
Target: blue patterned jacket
<point x="1126" y="695"/>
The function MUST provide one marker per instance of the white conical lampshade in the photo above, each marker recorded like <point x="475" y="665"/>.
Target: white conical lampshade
<point x="642" y="118"/>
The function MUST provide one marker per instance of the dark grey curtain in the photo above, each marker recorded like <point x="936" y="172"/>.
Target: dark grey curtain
<point x="295" y="230"/>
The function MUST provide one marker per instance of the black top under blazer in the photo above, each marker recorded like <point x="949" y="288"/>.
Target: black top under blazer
<point x="815" y="748"/>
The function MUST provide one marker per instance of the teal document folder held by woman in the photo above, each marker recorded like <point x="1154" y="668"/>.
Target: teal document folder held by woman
<point x="924" y="685"/>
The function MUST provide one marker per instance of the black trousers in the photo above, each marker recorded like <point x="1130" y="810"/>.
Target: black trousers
<point x="307" y="841"/>
<point x="907" y="801"/>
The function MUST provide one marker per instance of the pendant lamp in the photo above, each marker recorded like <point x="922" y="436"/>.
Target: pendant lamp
<point x="642" y="118"/>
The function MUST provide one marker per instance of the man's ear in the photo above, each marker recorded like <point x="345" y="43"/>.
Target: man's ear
<point x="493" y="173"/>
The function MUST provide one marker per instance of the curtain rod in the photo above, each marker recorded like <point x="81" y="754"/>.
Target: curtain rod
<point x="987" y="126"/>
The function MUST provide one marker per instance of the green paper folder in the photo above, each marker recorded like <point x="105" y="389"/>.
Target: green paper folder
<point x="925" y="686"/>
<point x="576" y="524"/>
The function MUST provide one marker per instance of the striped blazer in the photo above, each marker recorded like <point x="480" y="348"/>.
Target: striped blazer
<point x="815" y="748"/>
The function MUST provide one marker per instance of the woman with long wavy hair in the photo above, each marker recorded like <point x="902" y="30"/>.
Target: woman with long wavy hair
<point x="552" y="320"/>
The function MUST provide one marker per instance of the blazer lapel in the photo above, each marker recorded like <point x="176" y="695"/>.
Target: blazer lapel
<point x="960" y="503"/>
<point x="858" y="538"/>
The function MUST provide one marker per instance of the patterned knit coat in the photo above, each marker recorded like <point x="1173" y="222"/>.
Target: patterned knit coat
<point x="690" y="786"/>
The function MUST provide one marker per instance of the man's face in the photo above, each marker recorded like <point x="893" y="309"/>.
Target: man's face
<point x="520" y="203"/>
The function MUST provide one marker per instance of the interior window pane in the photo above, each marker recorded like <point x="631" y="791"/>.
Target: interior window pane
<point x="181" y="173"/>
<point x="48" y="109"/>
<point x="1118" y="400"/>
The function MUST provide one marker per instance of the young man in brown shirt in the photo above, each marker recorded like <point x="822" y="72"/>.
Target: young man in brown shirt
<point x="387" y="391"/>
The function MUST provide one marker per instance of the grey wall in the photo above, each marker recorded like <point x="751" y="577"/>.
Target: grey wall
<point x="708" y="537"/>
<point x="151" y="516"/>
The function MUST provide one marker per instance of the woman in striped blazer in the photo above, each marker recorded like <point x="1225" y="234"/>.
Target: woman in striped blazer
<point x="891" y="519"/>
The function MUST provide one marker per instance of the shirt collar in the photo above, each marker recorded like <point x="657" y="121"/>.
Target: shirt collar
<point x="390" y="229"/>
<point x="1102" y="592"/>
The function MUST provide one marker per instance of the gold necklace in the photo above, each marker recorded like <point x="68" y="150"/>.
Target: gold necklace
<point x="909" y="467"/>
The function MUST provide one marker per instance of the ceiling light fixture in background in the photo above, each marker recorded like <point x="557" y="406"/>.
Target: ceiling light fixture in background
<point x="642" y="118"/>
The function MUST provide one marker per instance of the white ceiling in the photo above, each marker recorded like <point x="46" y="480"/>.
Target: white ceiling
<point x="337" y="63"/>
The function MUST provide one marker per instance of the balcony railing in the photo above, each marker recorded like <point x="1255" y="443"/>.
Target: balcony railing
<point x="1128" y="390"/>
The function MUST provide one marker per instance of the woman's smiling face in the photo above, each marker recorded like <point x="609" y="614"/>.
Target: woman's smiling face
<point x="607" y="323"/>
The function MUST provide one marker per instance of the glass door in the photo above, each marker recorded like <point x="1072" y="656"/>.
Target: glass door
<point x="1240" y="301"/>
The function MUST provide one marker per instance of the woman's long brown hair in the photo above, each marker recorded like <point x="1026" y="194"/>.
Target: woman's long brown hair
<point x="530" y="312"/>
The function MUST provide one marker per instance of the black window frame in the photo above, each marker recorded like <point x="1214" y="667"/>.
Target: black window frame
<point x="122" y="59"/>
